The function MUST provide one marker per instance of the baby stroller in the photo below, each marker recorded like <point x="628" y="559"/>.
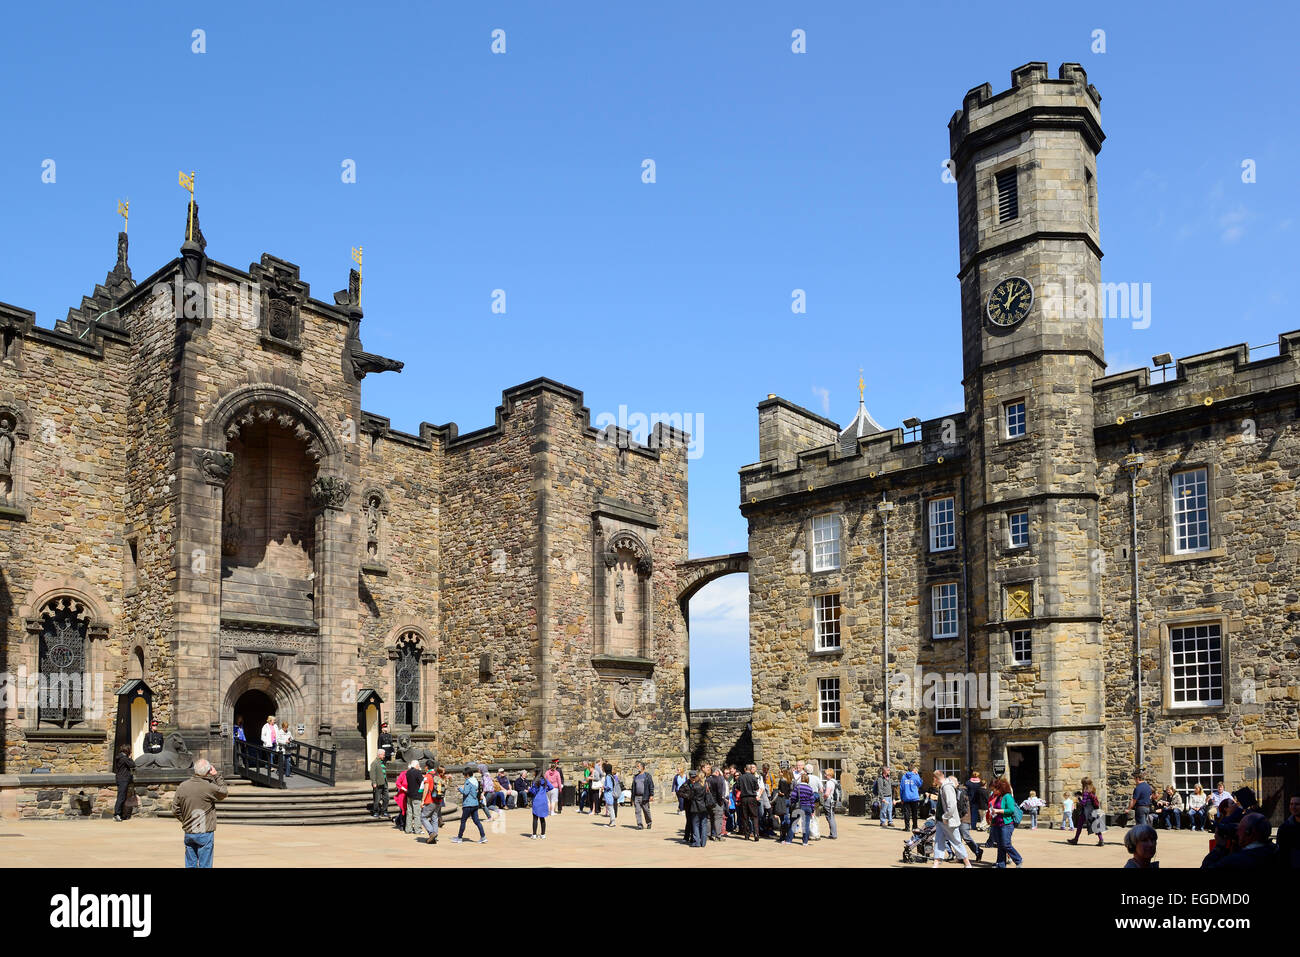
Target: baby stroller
<point x="920" y="846"/>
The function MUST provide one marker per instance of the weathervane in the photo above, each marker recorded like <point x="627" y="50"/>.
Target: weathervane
<point x="187" y="182"/>
<point x="123" y="209"/>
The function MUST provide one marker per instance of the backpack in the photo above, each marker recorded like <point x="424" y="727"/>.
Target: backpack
<point x="1017" y="815"/>
<point x="963" y="804"/>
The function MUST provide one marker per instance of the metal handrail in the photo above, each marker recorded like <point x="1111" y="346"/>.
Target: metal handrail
<point x="258" y="764"/>
<point x="314" y="762"/>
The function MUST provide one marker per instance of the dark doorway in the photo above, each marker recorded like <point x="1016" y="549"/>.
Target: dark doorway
<point x="254" y="707"/>
<point x="1022" y="769"/>
<point x="1279" y="781"/>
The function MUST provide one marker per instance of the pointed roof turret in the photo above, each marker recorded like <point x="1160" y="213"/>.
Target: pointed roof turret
<point x="861" y="424"/>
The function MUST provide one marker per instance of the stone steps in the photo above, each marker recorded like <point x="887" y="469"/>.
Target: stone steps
<point x="344" y="804"/>
<point x="249" y="592"/>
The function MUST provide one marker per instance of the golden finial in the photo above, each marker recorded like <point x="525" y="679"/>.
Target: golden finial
<point x="123" y="210"/>
<point x="862" y="386"/>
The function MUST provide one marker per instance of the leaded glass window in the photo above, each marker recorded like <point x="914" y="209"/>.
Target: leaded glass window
<point x="407" y="683"/>
<point x="62" y="662"/>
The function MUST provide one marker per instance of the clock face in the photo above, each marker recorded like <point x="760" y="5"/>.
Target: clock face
<point x="1010" y="301"/>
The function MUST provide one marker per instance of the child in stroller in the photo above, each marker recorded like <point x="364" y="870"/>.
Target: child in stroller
<point x="920" y="846"/>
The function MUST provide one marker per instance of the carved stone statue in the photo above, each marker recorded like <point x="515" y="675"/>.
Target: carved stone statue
<point x="407" y="752"/>
<point x="619" y="589"/>
<point x="6" y="444"/>
<point x="173" y="755"/>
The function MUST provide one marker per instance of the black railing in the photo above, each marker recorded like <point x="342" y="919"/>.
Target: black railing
<point x="313" y="762"/>
<point x="258" y="764"/>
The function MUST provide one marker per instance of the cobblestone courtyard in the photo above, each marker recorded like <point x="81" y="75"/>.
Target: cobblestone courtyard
<point x="573" y="840"/>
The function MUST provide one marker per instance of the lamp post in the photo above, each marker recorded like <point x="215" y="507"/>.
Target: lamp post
<point x="1133" y="465"/>
<point x="885" y="507"/>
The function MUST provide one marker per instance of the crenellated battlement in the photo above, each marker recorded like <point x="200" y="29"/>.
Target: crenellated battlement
<point x="883" y="455"/>
<point x="1034" y="96"/>
<point x="1199" y="380"/>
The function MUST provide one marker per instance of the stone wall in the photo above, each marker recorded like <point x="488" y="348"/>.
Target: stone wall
<point x="61" y="533"/>
<point x="721" y="736"/>
<point x="93" y="797"/>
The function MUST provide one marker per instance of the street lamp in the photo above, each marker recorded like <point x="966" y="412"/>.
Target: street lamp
<point x="885" y="507"/>
<point x="1133" y="465"/>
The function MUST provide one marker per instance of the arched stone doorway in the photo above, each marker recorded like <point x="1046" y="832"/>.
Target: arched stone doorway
<point x="693" y="575"/>
<point x="253" y="706"/>
<point x="261" y="691"/>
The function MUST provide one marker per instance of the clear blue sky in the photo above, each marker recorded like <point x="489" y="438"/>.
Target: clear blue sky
<point x="523" y="172"/>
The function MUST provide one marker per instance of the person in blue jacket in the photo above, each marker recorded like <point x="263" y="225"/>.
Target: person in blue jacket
<point x="541" y="802"/>
<point x="909" y="793"/>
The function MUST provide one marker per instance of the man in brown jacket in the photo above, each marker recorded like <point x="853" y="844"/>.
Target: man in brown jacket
<point x="195" y="806"/>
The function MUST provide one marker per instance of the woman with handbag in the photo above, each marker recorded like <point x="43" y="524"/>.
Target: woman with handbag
<point x="123" y="773"/>
<point x="1005" y="817"/>
<point x="1087" y="814"/>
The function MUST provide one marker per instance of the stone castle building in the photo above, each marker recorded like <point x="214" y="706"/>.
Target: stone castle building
<point x="199" y="522"/>
<point x="1119" y="552"/>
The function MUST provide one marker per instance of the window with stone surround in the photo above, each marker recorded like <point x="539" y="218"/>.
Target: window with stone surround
<point x="1196" y="666"/>
<point x="1197" y="765"/>
<point x="1008" y="196"/>
<point x="943" y="610"/>
<point x="1013" y="417"/>
<point x="951" y="767"/>
<point x="61" y="694"/>
<point x="1022" y="646"/>
<point x="1191" y="510"/>
<point x="825" y="543"/>
<point x="947" y="706"/>
<point x="1018" y="529"/>
<point x="826" y="618"/>
<point x="406" y="680"/>
<point x="828" y="702"/>
<point x="943" y="524"/>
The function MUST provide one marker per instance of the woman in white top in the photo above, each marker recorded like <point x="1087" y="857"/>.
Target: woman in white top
<point x="282" y="741"/>
<point x="1196" y="806"/>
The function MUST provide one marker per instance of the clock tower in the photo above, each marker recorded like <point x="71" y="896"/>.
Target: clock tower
<point x="1025" y="164"/>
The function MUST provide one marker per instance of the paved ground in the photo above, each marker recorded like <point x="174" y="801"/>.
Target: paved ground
<point x="573" y="840"/>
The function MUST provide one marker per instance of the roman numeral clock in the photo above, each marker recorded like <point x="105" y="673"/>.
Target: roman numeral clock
<point x="1010" y="301"/>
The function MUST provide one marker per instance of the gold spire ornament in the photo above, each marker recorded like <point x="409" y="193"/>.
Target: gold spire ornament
<point x="123" y="210"/>
<point x="187" y="182"/>
<point x="862" y="386"/>
<point x="356" y="258"/>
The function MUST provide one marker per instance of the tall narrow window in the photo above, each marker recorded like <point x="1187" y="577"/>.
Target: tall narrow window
<point x="61" y="696"/>
<point x="943" y="524"/>
<point x="1022" y="646"/>
<point x="406" y="684"/>
<point x="826" y="613"/>
<point x="828" y="701"/>
<point x="1014" y="416"/>
<point x="947" y="707"/>
<point x="1196" y="666"/>
<point x="1018" y="528"/>
<point x="943" y="610"/>
<point x="1008" y="201"/>
<point x="1091" y="182"/>
<point x="826" y="543"/>
<point x="1191" y="508"/>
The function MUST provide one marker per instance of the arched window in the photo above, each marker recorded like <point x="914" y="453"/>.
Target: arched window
<point x="406" y="683"/>
<point x="62" y="662"/>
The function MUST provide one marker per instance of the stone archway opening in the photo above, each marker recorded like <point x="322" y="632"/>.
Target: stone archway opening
<point x="253" y="706"/>
<point x="268" y="528"/>
<point x="717" y="634"/>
